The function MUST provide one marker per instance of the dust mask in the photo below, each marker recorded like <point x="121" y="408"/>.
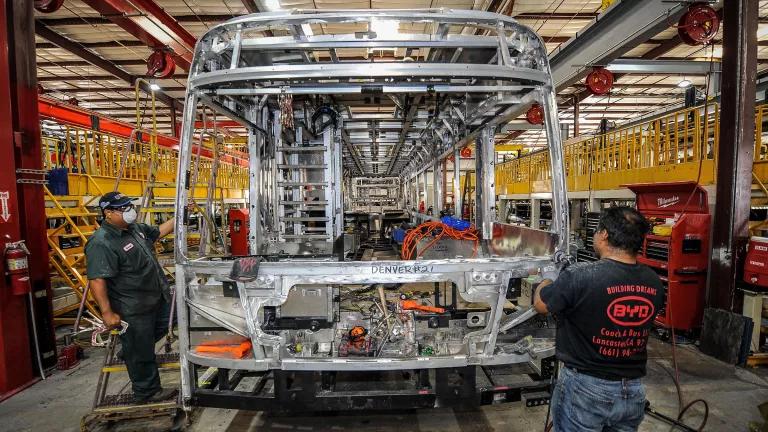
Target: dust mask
<point x="129" y="216"/>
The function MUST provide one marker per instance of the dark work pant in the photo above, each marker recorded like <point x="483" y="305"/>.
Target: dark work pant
<point x="138" y="341"/>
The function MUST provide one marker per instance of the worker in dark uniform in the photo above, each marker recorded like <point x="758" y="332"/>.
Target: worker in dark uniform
<point x="605" y="312"/>
<point x="129" y="285"/>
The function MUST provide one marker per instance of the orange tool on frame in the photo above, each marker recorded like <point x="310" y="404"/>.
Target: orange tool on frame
<point x="235" y="351"/>
<point x="414" y="305"/>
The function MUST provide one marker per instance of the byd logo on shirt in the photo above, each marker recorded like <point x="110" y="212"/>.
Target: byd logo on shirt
<point x="631" y="311"/>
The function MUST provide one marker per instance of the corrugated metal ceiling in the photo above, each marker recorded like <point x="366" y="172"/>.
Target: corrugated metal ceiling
<point x="64" y="75"/>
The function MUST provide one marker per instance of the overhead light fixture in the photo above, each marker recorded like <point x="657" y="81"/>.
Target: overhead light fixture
<point x="272" y="5"/>
<point x="154" y="87"/>
<point x="385" y="28"/>
<point x="684" y="83"/>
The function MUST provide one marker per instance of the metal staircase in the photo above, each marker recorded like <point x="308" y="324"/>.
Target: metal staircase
<point x="70" y="223"/>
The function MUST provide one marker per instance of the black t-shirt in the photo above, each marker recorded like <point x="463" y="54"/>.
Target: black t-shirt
<point x="605" y="312"/>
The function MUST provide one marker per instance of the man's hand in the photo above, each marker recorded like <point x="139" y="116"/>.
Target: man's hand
<point x="167" y="227"/>
<point x="538" y="304"/>
<point x="111" y="319"/>
<point x="98" y="288"/>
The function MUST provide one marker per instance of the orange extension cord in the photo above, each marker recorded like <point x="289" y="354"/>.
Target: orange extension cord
<point x="437" y="230"/>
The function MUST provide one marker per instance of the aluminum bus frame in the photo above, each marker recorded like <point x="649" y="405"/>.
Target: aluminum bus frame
<point x="484" y="76"/>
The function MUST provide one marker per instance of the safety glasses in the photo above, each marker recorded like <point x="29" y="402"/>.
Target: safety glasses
<point x="122" y="209"/>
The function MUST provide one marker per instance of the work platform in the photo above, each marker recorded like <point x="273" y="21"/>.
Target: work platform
<point x="86" y="154"/>
<point x="680" y="146"/>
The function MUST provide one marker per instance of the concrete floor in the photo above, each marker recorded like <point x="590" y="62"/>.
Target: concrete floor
<point x="59" y="402"/>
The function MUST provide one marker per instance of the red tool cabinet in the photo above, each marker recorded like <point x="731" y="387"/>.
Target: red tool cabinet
<point x="238" y="231"/>
<point x="681" y="258"/>
<point x="756" y="264"/>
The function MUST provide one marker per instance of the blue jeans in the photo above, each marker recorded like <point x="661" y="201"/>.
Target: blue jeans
<point x="587" y="404"/>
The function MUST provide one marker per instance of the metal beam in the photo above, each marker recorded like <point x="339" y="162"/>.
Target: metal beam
<point x="101" y="44"/>
<point x="98" y="61"/>
<point x="152" y="26"/>
<point x="60" y="78"/>
<point x="634" y="86"/>
<point x="83" y="63"/>
<point x="437" y="186"/>
<point x="407" y="123"/>
<point x="556" y="39"/>
<point x="352" y="152"/>
<point x="250" y="5"/>
<point x="576" y="115"/>
<point x="556" y="16"/>
<point x="485" y="190"/>
<point x="93" y="21"/>
<point x="458" y="206"/>
<point x="177" y="31"/>
<point x="617" y="95"/>
<point x="663" y="48"/>
<point x="734" y="166"/>
<point x="111" y="89"/>
<point x="606" y="39"/>
<point x="21" y="217"/>
<point x="78" y="50"/>
<point x="510" y="7"/>
<point x="664" y="67"/>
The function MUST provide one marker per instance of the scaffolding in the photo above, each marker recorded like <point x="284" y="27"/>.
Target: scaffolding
<point x="679" y="146"/>
<point x="87" y="155"/>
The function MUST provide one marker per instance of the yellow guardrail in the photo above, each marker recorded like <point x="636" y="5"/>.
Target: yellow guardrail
<point x="681" y="146"/>
<point x="93" y="159"/>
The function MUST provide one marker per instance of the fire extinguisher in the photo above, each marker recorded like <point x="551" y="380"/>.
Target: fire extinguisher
<point x="17" y="267"/>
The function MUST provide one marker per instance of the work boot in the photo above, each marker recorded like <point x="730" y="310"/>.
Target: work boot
<point x="161" y="395"/>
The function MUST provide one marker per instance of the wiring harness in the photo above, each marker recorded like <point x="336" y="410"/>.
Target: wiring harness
<point x="435" y="230"/>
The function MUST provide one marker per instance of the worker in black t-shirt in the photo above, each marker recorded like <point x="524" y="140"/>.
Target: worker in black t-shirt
<point x="605" y="311"/>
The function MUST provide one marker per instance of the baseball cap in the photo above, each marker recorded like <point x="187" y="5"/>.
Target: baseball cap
<point x="114" y="200"/>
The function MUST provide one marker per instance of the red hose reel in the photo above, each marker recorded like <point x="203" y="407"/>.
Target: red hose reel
<point x="698" y="25"/>
<point x="535" y="115"/>
<point x="160" y="64"/>
<point x="466" y="152"/>
<point x="48" y="6"/>
<point x="599" y="81"/>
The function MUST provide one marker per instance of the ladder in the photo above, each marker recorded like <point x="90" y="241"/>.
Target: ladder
<point x="309" y="187"/>
<point x="118" y="411"/>
<point x="149" y="204"/>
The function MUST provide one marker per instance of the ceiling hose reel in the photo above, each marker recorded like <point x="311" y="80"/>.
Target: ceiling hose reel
<point x="699" y="25"/>
<point x="599" y="81"/>
<point x="48" y="6"/>
<point x="160" y="64"/>
<point x="535" y="115"/>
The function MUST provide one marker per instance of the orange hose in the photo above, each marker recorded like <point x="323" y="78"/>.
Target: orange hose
<point x="437" y="230"/>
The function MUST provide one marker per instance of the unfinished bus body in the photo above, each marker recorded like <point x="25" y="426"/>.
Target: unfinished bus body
<point x="334" y="107"/>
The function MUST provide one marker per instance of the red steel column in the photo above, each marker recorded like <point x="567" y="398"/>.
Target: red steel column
<point x="29" y="155"/>
<point x="15" y="355"/>
<point x="22" y="206"/>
